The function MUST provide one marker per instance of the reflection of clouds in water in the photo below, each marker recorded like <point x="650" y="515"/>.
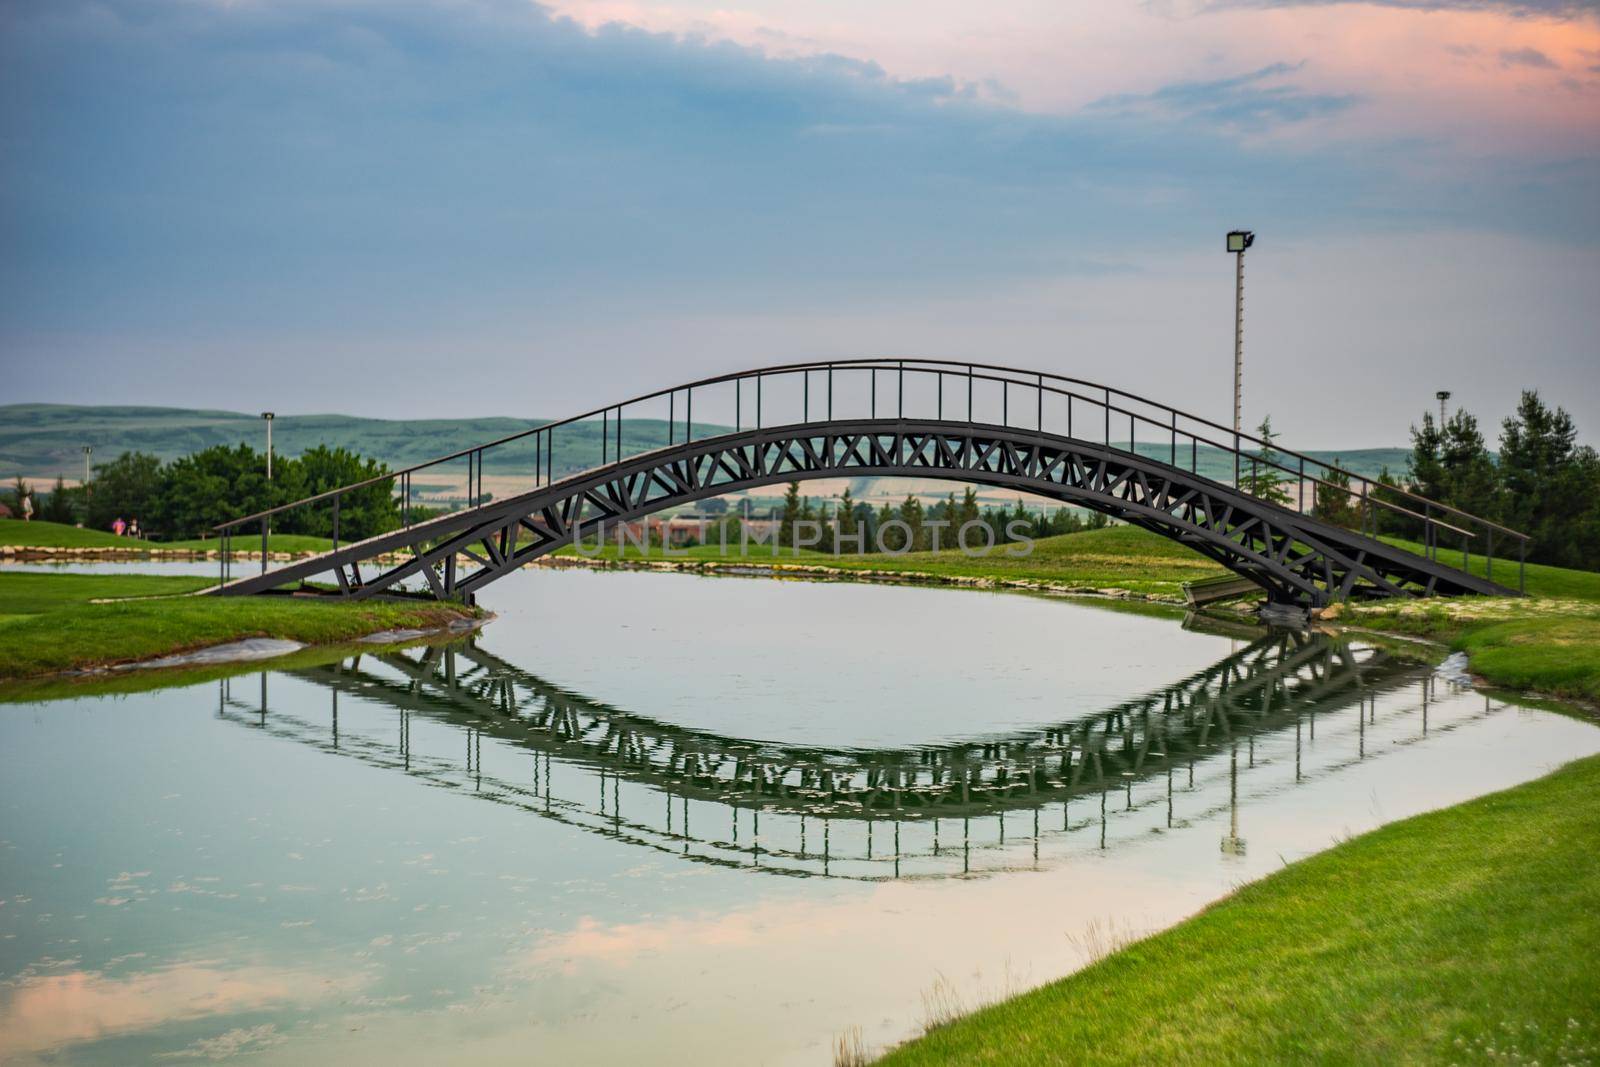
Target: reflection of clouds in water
<point x="621" y="944"/>
<point x="50" y="1011"/>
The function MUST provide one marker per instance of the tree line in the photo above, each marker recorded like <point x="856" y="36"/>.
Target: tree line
<point x="848" y="525"/>
<point x="188" y="496"/>
<point x="1540" y="481"/>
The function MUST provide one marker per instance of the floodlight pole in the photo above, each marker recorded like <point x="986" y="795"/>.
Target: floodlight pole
<point x="1238" y="241"/>
<point x="1444" y="396"/>
<point x="1238" y="339"/>
<point x="269" y="417"/>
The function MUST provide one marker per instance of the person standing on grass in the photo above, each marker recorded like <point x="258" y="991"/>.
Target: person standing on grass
<point x="133" y="528"/>
<point x="27" y="507"/>
<point x="117" y="526"/>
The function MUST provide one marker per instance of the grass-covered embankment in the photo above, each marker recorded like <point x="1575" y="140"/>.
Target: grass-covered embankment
<point x="1547" y="642"/>
<point x="1459" y="936"/>
<point x="1540" y="644"/>
<point x="1120" y="559"/>
<point x="45" y="536"/>
<point x="1542" y="579"/>
<point x="49" y="623"/>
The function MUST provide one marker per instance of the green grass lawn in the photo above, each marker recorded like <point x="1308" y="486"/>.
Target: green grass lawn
<point x="1460" y="936"/>
<point x="1542" y="579"/>
<point x="250" y="542"/>
<point x="58" y="535"/>
<point x="1117" y="557"/>
<point x="1559" y="656"/>
<point x="28" y="593"/>
<point x="50" y="625"/>
<point x="1542" y="644"/>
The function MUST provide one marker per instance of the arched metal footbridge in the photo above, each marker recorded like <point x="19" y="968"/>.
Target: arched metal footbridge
<point x="1092" y="446"/>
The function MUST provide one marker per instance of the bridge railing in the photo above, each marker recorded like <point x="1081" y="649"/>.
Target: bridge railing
<point x="905" y="389"/>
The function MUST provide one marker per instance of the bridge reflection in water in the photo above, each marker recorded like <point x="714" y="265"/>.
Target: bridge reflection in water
<point x="1284" y="709"/>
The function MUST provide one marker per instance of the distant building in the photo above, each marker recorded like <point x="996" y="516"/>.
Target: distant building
<point x="681" y="530"/>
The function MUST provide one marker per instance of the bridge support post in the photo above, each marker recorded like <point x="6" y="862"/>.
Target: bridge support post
<point x="1278" y="613"/>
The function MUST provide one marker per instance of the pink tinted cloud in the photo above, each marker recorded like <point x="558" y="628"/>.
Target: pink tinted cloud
<point x="1467" y="78"/>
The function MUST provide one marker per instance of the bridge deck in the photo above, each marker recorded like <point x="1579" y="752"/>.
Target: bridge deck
<point x="1296" y="557"/>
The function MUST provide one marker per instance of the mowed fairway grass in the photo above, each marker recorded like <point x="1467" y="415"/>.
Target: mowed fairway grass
<point x="1468" y="935"/>
<point x="1542" y="580"/>
<point x="45" y="535"/>
<point x="1115" y="558"/>
<point x="50" y="623"/>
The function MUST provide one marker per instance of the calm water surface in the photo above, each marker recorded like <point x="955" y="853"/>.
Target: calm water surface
<point x="676" y="819"/>
<point x="198" y="567"/>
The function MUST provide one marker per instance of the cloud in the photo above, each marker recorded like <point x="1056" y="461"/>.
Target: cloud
<point x="199" y="162"/>
<point x="1527" y="57"/>
<point x="1563" y="9"/>
<point x="1248" y="101"/>
<point x="339" y="186"/>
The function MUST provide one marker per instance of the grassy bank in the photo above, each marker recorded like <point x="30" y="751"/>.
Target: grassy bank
<point x="1547" y="645"/>
<point x="1457" y="936"/>
<point x="1542" y="580"/>
<point x="49" y="535"/>
<point x="52" y="624"/>
<point x="1548" y="641"/>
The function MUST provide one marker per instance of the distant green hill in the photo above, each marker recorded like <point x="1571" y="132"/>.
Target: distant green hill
<point x="40" y="441"/>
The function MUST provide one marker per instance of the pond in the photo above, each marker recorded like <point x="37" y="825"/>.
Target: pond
<point x="666" y="818"/>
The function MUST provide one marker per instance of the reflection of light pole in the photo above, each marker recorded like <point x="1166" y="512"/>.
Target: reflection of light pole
<point x="1443" y="395"/>
<point x="1233" y="844"/>
<point x="1238" y="241"/>
<point x="269" y="417"/>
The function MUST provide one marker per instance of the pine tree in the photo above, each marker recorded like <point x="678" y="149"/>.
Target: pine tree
<point x="1451" y="464"/>
<point x="1025" y="517"/>
<point x="890" y="539"/>
<point x="911" y="515"/>
<point x="791" y="512"/>
<point x="1383" y="520"/>
<point x="969" y="508"/>
<point x="1262" y="479"/>
<point x="1550" y="483"/>
<point x="844" y="523"/>
<point x="1332" y="502"/>
<point x="59" y="507"/>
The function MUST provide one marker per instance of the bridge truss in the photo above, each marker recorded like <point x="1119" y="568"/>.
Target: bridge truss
<point x="1159" y="485"/>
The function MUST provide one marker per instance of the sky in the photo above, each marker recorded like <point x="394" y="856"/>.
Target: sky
<point x="443" y="208"/>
